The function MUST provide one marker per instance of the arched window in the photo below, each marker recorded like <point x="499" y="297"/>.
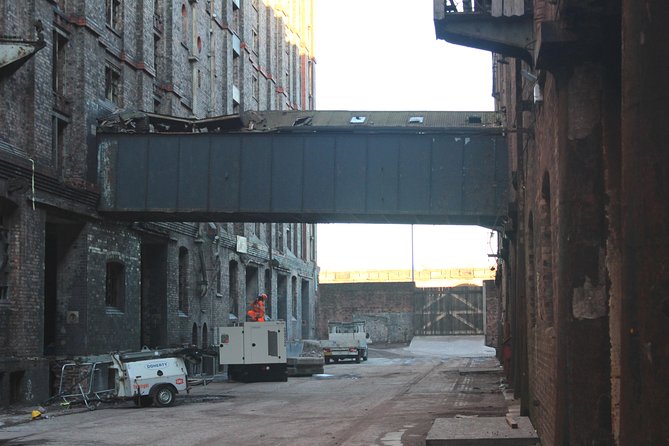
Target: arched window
<point x="532" y="279"/>
<point x="193" y="340"/>
<point x="184" y="25"/>
<point x="205" y="336"/>
<point x="546" y="251"/>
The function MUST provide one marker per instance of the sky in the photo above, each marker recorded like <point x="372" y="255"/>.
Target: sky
<point x="383" y="55"/>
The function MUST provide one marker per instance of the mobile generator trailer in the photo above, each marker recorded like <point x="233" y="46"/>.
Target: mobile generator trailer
<point x="149" y="376"/>
<point x="254" y="351"/>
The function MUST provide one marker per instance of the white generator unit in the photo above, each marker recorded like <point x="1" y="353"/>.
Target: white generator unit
<point x="254" y="351"/>
<point x="149" y="377"/>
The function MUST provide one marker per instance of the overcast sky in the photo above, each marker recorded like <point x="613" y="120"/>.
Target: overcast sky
<point x="383" y="55"/>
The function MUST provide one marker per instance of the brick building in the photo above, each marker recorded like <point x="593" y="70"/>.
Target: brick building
<point x="584" y="261"/>
<point x="73" y="283"/>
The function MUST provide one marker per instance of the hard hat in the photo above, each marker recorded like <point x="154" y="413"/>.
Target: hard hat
<point x="36" y="414"/>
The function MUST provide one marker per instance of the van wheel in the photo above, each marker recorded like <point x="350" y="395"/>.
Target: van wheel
<point x="164" y="396"/>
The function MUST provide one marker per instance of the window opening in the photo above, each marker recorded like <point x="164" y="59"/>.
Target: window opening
<point x="293" y="285"/>
<point x="279" y="237"/>
<point x="59" y="63"/>
<point x="113" y="13"/>
<point x="546" y="251"/>
<point x="183" y="280"/>
<point x="115" y="286"/>
<point x="113" y="85"/>
<point x="184" y="25"/>
<point x="234" y="288"/>
<point x="193" y="339"/>
<point x="58" y="140"/>
<point x="4" y="262"/>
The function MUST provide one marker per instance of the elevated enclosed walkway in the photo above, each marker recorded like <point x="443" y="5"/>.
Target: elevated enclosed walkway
<point x="309" y="166"/>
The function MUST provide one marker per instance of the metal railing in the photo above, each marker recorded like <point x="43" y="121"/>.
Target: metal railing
<point x="82" y="383"/>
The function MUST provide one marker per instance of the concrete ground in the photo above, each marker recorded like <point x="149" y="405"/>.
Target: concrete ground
<point x="391" y="399"/>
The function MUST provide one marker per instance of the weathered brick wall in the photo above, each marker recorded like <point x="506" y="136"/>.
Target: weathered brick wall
<point x="21" y="313"/>
<point x="640" y="309"/>
<point x="492" y="314"/>
<point x="161" y="82"/>
<point x="556" y="285"/>
<point x="112" y="244"/>
<point x="85" y="323"/>
<point x="388" y="307"/>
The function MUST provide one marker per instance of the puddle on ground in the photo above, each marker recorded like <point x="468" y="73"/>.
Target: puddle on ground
<point x="332" y="376"/>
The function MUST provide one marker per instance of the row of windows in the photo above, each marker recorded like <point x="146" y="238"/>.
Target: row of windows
<point x="115" y="286"/>
<point x="113" y="85"/>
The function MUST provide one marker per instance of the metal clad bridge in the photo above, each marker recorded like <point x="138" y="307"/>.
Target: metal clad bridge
<point x="387" y="167"/>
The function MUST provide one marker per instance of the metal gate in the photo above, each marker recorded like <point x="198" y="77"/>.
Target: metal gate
<point x="449" y="311"/>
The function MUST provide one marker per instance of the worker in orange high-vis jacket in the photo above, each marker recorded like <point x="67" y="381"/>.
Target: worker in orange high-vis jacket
<point x="257" y="311"/>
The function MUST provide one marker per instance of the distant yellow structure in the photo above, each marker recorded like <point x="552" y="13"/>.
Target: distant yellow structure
<point x="424" y="278"/>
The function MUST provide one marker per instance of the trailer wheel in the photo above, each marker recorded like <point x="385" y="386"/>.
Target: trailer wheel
<point x="164" y="396"/>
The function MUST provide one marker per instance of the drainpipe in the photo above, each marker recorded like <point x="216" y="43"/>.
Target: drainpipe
<point x="271" y="266"/>
<point x="193" y="58"/>
<point x="212" y="63"/>
<point x="521" y="378"/>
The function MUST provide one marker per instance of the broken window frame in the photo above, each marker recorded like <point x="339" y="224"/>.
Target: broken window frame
<point x="58" y="80"/>
<point x="113" y="84"/>
<point x="113" y="13"/>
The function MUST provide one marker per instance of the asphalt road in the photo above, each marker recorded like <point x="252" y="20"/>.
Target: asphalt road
<point x="391" y="399"/>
